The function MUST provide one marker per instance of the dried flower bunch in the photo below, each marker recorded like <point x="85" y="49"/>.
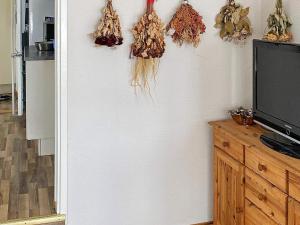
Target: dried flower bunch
<point x="278" y="25"/>
<point x="186" y="25"/>
<point x="108" y="31"/>
<point x="233" y="22"/>
<point x="148" y="46"/>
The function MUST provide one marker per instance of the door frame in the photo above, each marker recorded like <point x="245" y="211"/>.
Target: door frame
<point x="16" y="58"/>
<point x="61" y="109"/>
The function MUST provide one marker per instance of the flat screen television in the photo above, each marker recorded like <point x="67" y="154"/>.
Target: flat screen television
<point x="276" y="87"/>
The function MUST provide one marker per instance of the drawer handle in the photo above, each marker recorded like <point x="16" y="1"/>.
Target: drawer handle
<point x="226" y="144"/>
<point x="262" y="197"/>
<point x="262" y="168"/>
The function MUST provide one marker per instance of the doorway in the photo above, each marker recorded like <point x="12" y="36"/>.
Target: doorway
<point x="28" y="162"/>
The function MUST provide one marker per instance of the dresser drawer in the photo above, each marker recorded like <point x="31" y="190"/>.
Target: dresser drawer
<point x="266" y="197"/>
<point x="269" y="168"/>
<point x="294" y="185"/>
<point x="253" y="216"/>
<point x="229" y="144"/>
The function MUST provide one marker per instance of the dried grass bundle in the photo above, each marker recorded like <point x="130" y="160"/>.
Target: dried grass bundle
<point x="142" y="70"/>
<point x="108" y="31"/>
<point x="148" y="47"/>
<point x="278" y="25"/>
<point x="186" y="25"/>
<point x="233" y="22"/>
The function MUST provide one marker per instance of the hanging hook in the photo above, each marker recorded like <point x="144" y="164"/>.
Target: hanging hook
<point x="150" y="6"/>
<point x="109" y="3"/>
<point x="231" y="2"/>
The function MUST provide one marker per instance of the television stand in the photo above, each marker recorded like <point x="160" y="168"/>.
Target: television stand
<point x="262" y="185"/>
<point x="281" y="144"/>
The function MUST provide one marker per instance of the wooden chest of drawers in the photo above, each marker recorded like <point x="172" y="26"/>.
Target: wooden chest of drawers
<point x="253" y="185"/>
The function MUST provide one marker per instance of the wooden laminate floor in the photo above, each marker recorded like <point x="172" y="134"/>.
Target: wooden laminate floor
<point x="5" y="107"/>
<point x="26" y="180"/>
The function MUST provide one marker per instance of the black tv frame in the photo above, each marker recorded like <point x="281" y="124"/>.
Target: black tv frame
<point x="282" y="127"/>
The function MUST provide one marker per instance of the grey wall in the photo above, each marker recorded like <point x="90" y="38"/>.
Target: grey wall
<point x="5" y="42"/>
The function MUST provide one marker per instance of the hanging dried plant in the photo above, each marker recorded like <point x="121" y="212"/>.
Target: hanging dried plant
<point x="233" y="22"/>
<point x="278" y="25"/>
<point x="108" y="31"/>
<point x="186" y="25"/>
<point x="148" y="46"/>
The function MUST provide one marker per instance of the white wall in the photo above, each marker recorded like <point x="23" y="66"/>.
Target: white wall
<point x="5" y="41"/>
<point x="38" y="10"/>
<point x="135" y="160"/>
<point x="293" y="10"/>
<point x="242" y="59"/>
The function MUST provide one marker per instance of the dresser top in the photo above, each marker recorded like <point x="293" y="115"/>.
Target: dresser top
<point x="250" y="137"/>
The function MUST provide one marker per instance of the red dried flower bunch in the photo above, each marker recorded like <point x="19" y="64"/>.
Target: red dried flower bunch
<point x="108" y="32"/>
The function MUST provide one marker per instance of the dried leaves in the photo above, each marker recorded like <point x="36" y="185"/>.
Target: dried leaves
<point x="278" y="25"/>
<point x="148" y="47"/>
<point x="109" y="29"/>
<point x="233" y="22"/>
<point x="186" y="25"/>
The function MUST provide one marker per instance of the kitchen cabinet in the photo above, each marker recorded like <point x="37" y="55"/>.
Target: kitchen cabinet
<point x="40" y="104"/>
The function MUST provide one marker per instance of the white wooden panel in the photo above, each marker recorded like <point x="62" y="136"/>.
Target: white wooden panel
<point x="61" y="137"/>
<point x="46" y="147"/>
<point x="40" y="101"/>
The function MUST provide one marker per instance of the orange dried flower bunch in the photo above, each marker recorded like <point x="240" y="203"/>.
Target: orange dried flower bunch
<point x="186" y="25"/>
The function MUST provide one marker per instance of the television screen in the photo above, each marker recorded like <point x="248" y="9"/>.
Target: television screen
<point x="277" y="86"/>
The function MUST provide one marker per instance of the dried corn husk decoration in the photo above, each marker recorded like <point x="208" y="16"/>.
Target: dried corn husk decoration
<point x="233" y="22"/>
<point x="186" y="25"/>
<point x="278" y="25"/>
<point x="108" y="31"/>
<point x="148" y="47"/>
